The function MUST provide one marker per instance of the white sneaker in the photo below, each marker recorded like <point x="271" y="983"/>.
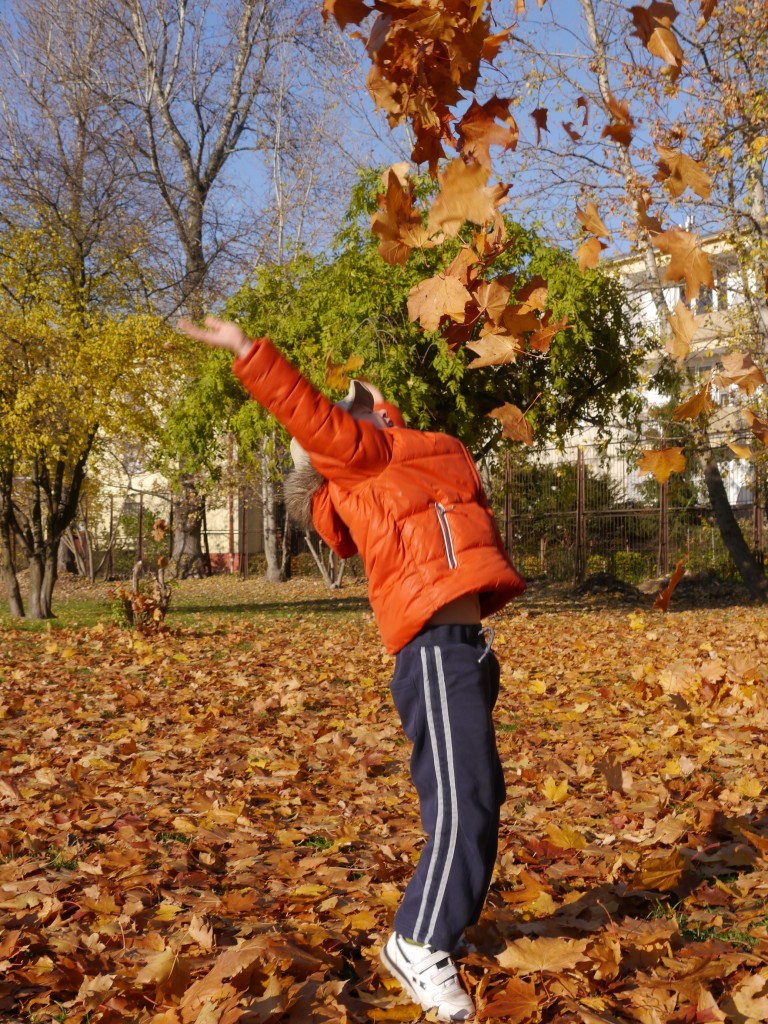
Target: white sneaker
<point x="429" y="976"/>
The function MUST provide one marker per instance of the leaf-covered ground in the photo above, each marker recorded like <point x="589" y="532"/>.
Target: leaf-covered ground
<point x="215" y="824"/>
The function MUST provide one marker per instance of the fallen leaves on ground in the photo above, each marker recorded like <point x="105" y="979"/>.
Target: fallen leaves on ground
<point x="215" y="824"/>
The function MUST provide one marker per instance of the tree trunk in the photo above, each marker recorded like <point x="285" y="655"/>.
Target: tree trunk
<point x="41" y="584"/>
<point x="187" y="556"/>
<point x="8" y="573"/>
<point x="271" y="528"/>
<point x="730" y="531"/>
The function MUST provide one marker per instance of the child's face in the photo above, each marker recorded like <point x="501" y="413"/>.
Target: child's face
<point x="378" y="418"/>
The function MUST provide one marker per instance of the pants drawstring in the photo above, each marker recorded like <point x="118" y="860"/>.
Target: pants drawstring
<point x="489" y="633"/>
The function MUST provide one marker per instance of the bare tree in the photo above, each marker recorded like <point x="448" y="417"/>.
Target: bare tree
<point x="66" y="186"/>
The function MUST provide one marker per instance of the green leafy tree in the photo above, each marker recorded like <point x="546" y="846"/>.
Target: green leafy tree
<point x="348" y="311"/>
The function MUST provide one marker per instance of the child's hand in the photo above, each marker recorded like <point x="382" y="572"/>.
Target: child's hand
<point x="218" y="334"/>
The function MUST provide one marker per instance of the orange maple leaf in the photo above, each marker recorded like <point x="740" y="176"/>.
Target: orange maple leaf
<point x="758" y="427"/>
<point x="622" y="123"/>
<point x="541" y="338"/>
<point x="492" y="298"/>
<point x="514" y="425"/>
<point x="515" y="1003"/>
<point x="662" y="463"/>
<point x="687" y="261"/>
<point x="740" y="369"/>
<point x="588" y="253"/>
<point x="552" y="955"/>
<point x="653" y="26"/>
<point x="463" y="197"/>
<point x="644" y="219"/>
<point x="346" y="12"/>
<point x="338" y="376"/>
<point x="665" y="596"/>
<point x="684" y="328"/>
<point x="495" y="348"/>
<point x="698" y="405"/>
<point x="540" y="120"/>
<point x="437" y="297"/>
<point x="397" y="223"/>
<point x="477" y="130"/>
<point x="591" y="221"/>
<point x="679" y="172"/>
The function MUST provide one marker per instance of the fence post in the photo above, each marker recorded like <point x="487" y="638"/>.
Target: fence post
<point x="140" y="553"/>
<point x="110" y="567"/>
<point x="662" y="559"/>
<point x="581" y="524"/>
<point x="507" y="503"/>
<point x="758" y="517"/>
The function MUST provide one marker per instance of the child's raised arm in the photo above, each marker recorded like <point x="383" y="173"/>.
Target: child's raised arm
<point x="218" y="334"/>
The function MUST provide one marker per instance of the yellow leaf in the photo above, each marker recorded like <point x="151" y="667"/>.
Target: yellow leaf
<point x="310" y="889"/>
<point x="565" y="837"/>
<point x="741" y="451"/>
<point x="555" y="792"/>
<point x="400" y="1012"/>
<point x="659" y="872"/>
<point x="531" y="956"/>
<point x="167" y="911"/>
<point x="748" y="787"/>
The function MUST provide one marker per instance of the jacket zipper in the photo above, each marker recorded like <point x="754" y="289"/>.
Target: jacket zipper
<point x="442" y="519"/>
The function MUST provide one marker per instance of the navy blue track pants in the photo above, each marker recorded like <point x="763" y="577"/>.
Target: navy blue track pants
<point x="445" y="686"/>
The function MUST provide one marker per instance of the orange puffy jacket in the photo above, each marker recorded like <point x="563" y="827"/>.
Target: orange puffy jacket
<point x="410" y="502"/>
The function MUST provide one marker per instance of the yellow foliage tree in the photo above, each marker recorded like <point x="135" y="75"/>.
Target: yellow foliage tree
<point x="77" y="362"/>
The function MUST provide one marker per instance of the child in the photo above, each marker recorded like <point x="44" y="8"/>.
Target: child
<point x="412" y="504"/>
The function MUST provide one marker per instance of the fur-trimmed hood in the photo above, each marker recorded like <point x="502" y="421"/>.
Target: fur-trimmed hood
<point x="299" y="488"/>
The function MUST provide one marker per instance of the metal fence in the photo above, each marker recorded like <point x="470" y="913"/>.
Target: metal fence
<point x="568" y="514"/>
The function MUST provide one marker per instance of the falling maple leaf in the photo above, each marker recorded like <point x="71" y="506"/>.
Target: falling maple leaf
<point x="758" y="427"/>
<point x="653" y="26"/>
<point x="684" y="328"/>
<point x="679" y="172"/>
<point x="346" y="12"/>
<point x="541" y="339"/>
<point x="622" y="124"/>
<point x="337" y="376"/>
<point x="741" y="451"/>
<point x="397" y="223"/>
<point x="437" y="297"/>
<point x="644" y="219"/>
<point x="740" y="369"/>
<point x="513" y="423"/>
<point x="591" y="221"/>
<point x="588" y="253"/>
<point x="688" y="261"/>
<point x="478" y="130"/>
<point x="495" y="348"/>
<point x="662" y="463"/>
<point x="540" y="120"/>
<point x="665" y="596"/>
<point x="699" y="405"/>
<point x="463" y="197"/>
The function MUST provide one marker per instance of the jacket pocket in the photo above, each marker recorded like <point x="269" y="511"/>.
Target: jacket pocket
<point x="445" y="529"/>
